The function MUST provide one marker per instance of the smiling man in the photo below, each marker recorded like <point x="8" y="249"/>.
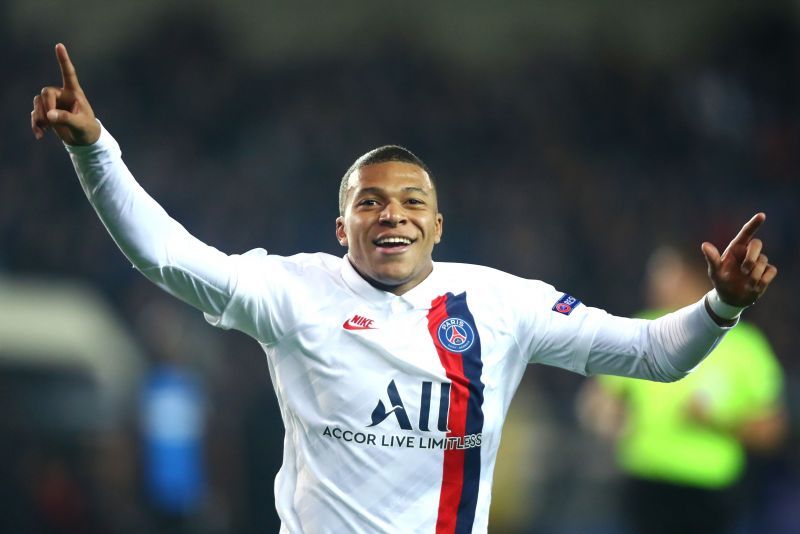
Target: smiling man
<point x="389" y="218"/>
<point x="394" y="373"/>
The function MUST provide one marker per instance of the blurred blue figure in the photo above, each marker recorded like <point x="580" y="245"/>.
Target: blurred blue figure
<point x="173" y="430"/>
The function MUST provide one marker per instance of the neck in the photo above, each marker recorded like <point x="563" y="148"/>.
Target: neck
<point x="398" y="288"/>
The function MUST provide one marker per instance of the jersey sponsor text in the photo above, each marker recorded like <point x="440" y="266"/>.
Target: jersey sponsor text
<point x="469" y="441"/>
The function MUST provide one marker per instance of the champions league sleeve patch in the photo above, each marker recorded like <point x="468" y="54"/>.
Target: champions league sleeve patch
<point x="565" y="304"/>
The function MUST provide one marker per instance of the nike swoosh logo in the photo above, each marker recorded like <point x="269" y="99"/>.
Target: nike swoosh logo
<point x="348" y="326"/>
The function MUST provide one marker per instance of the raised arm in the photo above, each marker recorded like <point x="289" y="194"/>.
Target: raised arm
<point x="669" y="347"/>
<point x="155" y="244"/>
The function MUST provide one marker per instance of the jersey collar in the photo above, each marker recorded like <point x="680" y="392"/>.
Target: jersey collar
<point x="418" y="298"/>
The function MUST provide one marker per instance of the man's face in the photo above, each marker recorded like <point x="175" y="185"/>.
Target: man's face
<point x="391" y="222"/>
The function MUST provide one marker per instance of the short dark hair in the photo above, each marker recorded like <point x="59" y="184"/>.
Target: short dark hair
<point x="381" y="155"/>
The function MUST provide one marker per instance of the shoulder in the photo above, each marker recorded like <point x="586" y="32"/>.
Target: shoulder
<point x="309" y="267"/>
<point x="482" y="278"/>
<point x="498" y="292"/>
<point x="299" y="262"/>
<point x="317" y="262"/>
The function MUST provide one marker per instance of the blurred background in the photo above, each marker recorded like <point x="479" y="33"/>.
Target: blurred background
<point x="570" y="139"/>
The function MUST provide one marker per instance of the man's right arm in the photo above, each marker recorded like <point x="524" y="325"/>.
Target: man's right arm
<point x="156" y="244"/>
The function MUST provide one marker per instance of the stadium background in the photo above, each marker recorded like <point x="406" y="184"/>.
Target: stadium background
<point x="569" y="139"/>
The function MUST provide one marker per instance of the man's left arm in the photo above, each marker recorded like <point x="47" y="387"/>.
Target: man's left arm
<point x="668" y="348"/>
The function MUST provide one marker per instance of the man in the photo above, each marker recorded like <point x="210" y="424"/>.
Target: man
<point x="683" y="446"/>
<point x="393" y="373"/>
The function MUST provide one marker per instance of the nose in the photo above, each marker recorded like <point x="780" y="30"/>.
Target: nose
<point x="392" y="214"/>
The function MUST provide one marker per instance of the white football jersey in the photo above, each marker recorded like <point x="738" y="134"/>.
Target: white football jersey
<point x="393" y="405"/>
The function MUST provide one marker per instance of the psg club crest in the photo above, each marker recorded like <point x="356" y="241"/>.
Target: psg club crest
<point x="456" y="335"/>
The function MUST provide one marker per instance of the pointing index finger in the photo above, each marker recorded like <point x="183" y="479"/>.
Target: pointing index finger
<point x="68" y="74"/>
<point x="749" y="230"/>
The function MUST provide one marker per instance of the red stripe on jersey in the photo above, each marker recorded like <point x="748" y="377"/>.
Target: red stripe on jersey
<point x="453" y="469"/>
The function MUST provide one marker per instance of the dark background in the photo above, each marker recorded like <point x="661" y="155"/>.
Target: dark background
<point x="568" y="140"/>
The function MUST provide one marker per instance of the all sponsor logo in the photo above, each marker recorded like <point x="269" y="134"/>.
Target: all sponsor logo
<point x="398" y="409"/>
<point x="390" y="415"/>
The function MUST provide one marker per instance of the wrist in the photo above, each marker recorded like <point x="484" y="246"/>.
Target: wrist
<point x="724" y="314"/>
<point x="97" y="146"/>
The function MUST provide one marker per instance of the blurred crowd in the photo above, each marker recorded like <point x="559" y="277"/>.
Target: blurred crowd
<point x="568" y="168"/>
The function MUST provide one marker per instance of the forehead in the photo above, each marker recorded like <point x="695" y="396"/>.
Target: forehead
<point x="390" y="176"/>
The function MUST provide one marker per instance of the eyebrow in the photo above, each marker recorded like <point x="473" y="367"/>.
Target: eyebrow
<point x="382" y="191"/>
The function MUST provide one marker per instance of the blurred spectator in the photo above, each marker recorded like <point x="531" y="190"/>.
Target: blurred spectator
<point x="683" y="446"/>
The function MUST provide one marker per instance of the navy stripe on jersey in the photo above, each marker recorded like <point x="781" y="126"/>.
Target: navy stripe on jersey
<point x="459" y="350"/>
<point x="473" y="367"/>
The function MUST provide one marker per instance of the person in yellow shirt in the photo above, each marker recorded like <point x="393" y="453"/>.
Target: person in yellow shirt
<point x="683" y="446"/>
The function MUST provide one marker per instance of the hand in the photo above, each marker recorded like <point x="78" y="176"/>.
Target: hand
<point x="65" y="108"/>
<point x="742" y="273"/>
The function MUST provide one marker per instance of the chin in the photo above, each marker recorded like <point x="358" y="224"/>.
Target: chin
<point x="392" y="279"/>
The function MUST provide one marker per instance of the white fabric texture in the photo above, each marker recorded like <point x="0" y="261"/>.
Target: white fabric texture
<point x="341" y="353"/>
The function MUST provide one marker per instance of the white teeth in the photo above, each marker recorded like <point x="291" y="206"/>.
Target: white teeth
<point x="393" y="241"/>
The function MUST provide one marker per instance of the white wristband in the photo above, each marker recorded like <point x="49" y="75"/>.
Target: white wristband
<point x="724" y="310"/>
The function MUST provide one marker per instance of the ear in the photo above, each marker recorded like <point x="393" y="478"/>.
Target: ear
<point x="437" y="235"/>
<point x="341" y="236"/>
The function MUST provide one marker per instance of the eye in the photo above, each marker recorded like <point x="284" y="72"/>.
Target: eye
<point x="367" y="202"/>
<point x="416" y="201"/>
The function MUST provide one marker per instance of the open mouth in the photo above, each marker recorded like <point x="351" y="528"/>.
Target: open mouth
<point x="393" y="242"/>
